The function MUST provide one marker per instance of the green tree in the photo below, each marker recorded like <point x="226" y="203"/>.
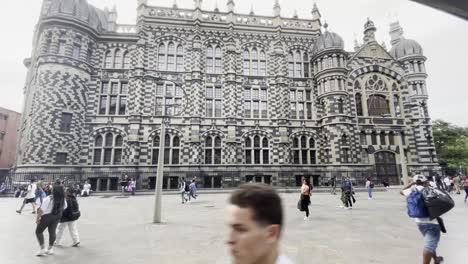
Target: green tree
<point x="451" y="144"/>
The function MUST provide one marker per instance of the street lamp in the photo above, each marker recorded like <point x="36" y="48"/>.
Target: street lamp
<point x="170" y="107"/>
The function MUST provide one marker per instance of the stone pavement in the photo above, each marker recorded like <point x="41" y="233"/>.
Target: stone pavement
<point x="119" y="230"/>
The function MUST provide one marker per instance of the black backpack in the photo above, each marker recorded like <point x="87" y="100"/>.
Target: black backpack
<point x="187" y="186"/>
<point x="371" y="185"/>
<point x="74" y="210"/>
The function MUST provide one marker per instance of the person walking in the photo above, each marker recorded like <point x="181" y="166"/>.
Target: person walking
<point x="346" y="193"/>
<point x="132" y="186"/>
<point x="369" y="187"/>
<point x="193" y="190"/>
<point x="333" y="185"/>
<point x="182" y="186"/>
<point x="69" y="219"/>
<point x="48" y="216"/>
<point x="430" y="229"/>
<point x="124" y="183"/>
<point x="456" y="182"/>
<point x="305" y="197"/>
<point x="30" y="197"/>
<point x="448" y="183"/>
<point x="465" y="186"/>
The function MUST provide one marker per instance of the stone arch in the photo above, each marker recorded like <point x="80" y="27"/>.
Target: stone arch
<point x="352" y="76"/>
<point x="168" y="130"/>
<point x="163" y="39"/>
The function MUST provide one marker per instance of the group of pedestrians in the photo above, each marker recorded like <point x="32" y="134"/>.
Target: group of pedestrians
<point x="128" y="185"/>
<point x="57" y="209"/>
<point x="188" y="190"/>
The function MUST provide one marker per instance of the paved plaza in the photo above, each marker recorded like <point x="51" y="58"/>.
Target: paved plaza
<point x="119" y="230"/>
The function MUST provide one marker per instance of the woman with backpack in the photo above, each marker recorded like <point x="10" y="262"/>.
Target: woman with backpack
<point x="69" y="219"/>
<point x="305" y="197"/>
<point x="48" y="216"/>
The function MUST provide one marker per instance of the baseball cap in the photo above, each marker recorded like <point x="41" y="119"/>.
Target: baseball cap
<point x="419" y="177"/>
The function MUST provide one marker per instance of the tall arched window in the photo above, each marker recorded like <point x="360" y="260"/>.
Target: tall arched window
<point x="162" y="57"/>
<point x="298" y="64"/>
<point x="155" y="150"/>
<point x="396" y="105"/>
<point x="171" y="149"/>
<point x="254" y="62"/>
<point x="358" y="99"/>
<point x="258" y="152"/>
<point x="108" y="149"/>
<point x="378" y="105"/>
<point x="117" y="59"/>
<point x="126" y="60"/>
<point x="213" y="59"/>
<point x="213" y="150"/>
<point x="304" y="150"/>
<point x="171" y="57"/>
<point x="108" y="60"/>
<point x="180" y="58"/>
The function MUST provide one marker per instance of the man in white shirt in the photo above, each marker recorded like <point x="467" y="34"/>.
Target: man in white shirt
<point x="30" y="197"/>
<point x="430" y="229"/>
<point x="255" y="218"/>
<point x="86" y="189"/>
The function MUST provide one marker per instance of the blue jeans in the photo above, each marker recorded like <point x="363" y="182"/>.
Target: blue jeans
<point x="369" y="191"/>
<point x="431" y="233"/>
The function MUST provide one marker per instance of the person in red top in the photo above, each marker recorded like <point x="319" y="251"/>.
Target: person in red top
<point x="465" y="186"/>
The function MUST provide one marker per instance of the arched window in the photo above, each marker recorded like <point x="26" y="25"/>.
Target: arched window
<point x="357" y="86"/>
<point x="304" y="150"/>
<point x="213" y="150"/>
<point x="117" y="59"/>
<point x="180" y="58"/>
<point x="258" y="153"/>
<point x="298" y="64"/>
<point x="108" y="60"/>
<point x="126" y="60"/>
<point x="341" y="106"/>
<point x="213" y="59"/>
<point x="171" y="57"/>
<point x="396" y="105"/>
<point x="378" y="105"/>
<point x="155" y="150"/>
<point x="171" y="149"/>
<point x="162" y="57"/>
<point x="108" y="149"/>
<point x="358" y="99"/>
<point x="330" y="62"/>
<point x="344" y="140"/>
<point x="254" y="62"/>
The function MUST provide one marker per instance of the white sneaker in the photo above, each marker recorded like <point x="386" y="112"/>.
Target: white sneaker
<point x="41" y="252"/>
<point x="50" y="251"/>
<point x="306" y="218"/>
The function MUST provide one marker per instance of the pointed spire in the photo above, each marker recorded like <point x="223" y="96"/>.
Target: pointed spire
<point x="396" y="33"/>
<point x="369" y="31"/>
<point x="315" y="12"/>
<point x="251" y="10"/>
<point x="230" y="5"/>
<point x="277" y="9"/>
<point x="216" y="9"/>
<point x="295" y="16"/>
<point x="174" y="4"/>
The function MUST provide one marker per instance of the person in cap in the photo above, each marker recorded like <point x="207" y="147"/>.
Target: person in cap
<point x="254" y="216"/>
<point x="430" y="229"/>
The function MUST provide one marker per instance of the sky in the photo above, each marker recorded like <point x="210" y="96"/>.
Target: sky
<point x="443" y="37"/>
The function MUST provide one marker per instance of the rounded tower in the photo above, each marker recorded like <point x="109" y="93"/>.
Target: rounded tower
<point x="329" y="62"/>
<point x="56" y="90"/>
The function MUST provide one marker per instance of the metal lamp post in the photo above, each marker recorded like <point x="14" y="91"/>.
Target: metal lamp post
<point x="160" y="171"/>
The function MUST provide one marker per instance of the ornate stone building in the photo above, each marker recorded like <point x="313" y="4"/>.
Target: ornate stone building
<point x="264" y="98"/>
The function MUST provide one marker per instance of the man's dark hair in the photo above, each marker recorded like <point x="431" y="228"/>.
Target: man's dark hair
<point x="263" y="200"/>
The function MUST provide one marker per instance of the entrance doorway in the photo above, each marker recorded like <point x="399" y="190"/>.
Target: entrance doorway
<point x="386" y="167"/>
<point x="258" y="179"/>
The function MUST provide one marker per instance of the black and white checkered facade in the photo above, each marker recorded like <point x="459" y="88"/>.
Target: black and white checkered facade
<point x="65" y="79"/>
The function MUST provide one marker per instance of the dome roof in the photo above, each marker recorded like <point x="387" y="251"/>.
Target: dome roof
<point x="328" y="40"/>
<point x="81" y="10"/>
<point x="406" y="47"/>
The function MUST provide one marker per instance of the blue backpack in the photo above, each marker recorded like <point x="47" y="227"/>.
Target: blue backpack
<point x="416" y="206"/>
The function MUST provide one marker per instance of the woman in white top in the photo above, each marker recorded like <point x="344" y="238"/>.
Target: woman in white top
<point x="48" y="216"/>
<point x="30" y="197"/>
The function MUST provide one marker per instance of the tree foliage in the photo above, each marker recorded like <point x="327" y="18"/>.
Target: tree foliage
<point x="451" y="144"/>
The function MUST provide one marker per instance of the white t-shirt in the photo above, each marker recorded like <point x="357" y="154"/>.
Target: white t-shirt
<point x="424" y="220"/>
<point x="447" y="181"/>
<point x="367" y="184"/>
<point x="283" y="260"/>
<point x="47" y="205"/>
<point x="87" y="187"/>
<point x="31" y="191"/>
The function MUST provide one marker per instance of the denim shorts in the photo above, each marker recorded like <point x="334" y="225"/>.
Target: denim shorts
<point x="431" y="233"/>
